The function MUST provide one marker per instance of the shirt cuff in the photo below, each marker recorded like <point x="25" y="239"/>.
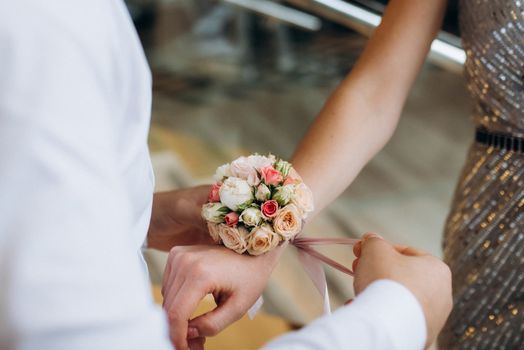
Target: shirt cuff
<point x="397" y="310"/>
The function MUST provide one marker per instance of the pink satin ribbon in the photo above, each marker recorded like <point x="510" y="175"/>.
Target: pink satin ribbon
<point x="312" y="260"/>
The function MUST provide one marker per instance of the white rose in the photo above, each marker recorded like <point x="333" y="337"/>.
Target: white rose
<point x="263" y="193"/>
<point x="284" y="194"/>
<point x="261" y="240"/>
<point x="288" y="222"/>
<point x="303" y="199"/>
<point x="213" y="232"/>
<point x="243" y="169"/>
<point x="251" y="216"/>
<point x="214" y="212"/>
<point x="258" y="162"/>
<point x="236" y="192"/>
<point x="222" y="172"/>
<point x="234" y="238"/>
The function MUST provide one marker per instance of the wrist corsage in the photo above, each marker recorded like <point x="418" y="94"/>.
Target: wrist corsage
<point x="256" y="203"/>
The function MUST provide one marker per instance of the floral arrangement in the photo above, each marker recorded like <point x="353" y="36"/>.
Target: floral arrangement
<point x="256" y="203"/>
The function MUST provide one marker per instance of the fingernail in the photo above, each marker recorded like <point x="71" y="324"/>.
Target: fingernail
<point x="371" y="235"/>
<point x="348" y="302"/>
<point x="192" y="333"/>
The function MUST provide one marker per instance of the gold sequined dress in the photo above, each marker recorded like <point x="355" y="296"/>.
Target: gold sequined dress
<point x="484" y="233"/>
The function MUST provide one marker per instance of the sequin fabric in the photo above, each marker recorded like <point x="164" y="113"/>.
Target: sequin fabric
<point x="484" y="233"/>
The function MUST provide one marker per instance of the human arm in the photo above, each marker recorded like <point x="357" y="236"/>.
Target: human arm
<point x="362" y="114"/>
<point x="193" y="272"/>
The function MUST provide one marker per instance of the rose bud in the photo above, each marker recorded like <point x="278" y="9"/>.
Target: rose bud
<point x="214" y="194"/>
<point x="231" y="219"/>
<point x="269" y="208"/>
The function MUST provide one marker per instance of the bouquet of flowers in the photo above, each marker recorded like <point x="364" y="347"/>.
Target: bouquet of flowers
<point x="256" y="203"/>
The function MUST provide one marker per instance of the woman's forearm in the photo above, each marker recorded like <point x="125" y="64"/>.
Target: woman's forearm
<point x="362" y="114"/>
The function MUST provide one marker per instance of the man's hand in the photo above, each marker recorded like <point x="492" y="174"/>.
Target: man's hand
<point x="176" y="220"/>
<point x="236" y="281"/>
<point x="427" y="277"/>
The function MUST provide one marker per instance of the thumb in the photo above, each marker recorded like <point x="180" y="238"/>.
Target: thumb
<point x="375" y="247"/>
<point x="215" y="321"/>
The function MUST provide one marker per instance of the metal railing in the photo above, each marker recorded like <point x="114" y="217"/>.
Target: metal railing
<point x="444" y="53"/>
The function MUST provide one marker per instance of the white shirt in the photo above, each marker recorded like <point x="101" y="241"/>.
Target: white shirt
<point x="384" y="316"/>
<point x="76" y="188"/>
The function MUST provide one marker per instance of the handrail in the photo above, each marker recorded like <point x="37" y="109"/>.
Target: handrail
<point x="279" y="12"/>
<point x="443" y="54"/>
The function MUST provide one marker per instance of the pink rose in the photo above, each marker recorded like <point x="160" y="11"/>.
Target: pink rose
<point x="271" y="176"/>
<point x="269" y="208"/>
<point x="214" y="194"/>
<point x="231" y="219"/>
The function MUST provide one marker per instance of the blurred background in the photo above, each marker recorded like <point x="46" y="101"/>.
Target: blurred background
<point x="233" y="77"/>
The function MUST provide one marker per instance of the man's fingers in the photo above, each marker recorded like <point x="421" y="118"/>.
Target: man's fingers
<point x="375" y="246"/>
<point x="165" y="278"/>
<point x="357" y="249"/>
<point x="354" y="265"/>
<point x="369" y="235"/>
<point x="170" y="291"/>
<point x="196" y="344"/>
<point x="184" y="304"/>
<point x="213" y="322"/>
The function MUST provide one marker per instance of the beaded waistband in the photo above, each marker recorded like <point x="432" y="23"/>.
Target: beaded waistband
<point x="500" y="141"/>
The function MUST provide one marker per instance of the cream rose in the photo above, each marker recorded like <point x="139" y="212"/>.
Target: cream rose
<point x="251" y="216"/>
<point x="258" y="162"/>
<point x="222" y="172"/>
<point x="213" y="232"/>
<point x="261" y="240"/>
<point x="235" y="193"/>
<point x="263" y="193"/>
<point x="288" y="222"/>
<point x="303" y="199"/>
<point x="214" y="212"/>
<point x="243" y="169"/>
<point x="234" y="238"/>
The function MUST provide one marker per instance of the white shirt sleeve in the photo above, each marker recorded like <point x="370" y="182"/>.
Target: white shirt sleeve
<point x="384" y="316"/>
<point x="70" y="277"/>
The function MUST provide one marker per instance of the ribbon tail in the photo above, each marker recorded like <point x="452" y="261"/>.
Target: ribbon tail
<point x="313" y="268"/>
<point x="253" y="310"/>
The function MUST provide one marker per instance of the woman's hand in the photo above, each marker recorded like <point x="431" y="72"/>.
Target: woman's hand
<point x="236" y="281"/>
<point x="176" y="220"/>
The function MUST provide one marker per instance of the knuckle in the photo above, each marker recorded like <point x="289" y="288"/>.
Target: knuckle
<point x="182" y="259"/>
<point x="173" y="316"/>
<point x="200" y="270"/>
<point x="175" y="251"/>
